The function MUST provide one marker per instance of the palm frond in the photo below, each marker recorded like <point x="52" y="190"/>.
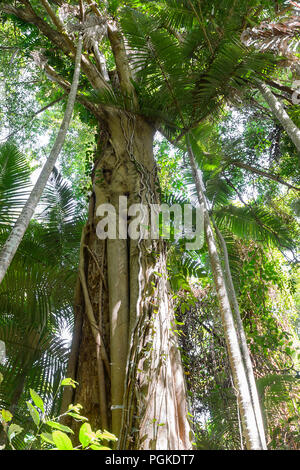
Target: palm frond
<point x="254" y="223"/>
<point x="14" y="182"/>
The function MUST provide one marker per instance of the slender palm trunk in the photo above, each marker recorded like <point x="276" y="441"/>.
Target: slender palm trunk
<point x="249" y="425"/>
<point x="11" y="245"/>
<point x="125" y="354"/>
<point x="278" y="110"/>
<point x="243" y="341"/>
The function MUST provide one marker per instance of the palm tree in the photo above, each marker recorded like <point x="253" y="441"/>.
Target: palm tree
<point x="282" y="38"/>
<point x="249" y="222"/>
<point x="250" y="414"/>
<point x="36" y="302"/>
<point x="278" y="110"/>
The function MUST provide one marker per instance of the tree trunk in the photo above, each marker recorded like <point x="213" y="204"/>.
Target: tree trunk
<point x="12" y="243"/>
<point x="125" y="355"/>
<point x="243" y="342"/>
<point x="249" y="425"/>
<point x="278" y="110"/>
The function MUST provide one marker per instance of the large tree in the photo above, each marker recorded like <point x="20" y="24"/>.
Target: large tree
<point x="123" y="332"/>
<point x="139" y="75"/>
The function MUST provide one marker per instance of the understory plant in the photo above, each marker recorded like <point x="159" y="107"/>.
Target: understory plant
<point x="49" y="433"/>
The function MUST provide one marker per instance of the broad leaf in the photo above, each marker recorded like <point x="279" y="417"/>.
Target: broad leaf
<point x="6" y="416"/>
<point x="59" y="426"/>
<point x="62" y="441"/>
<point x="86" y="435"/>
<point x="13" y="430"/>
<point x="33" y="413"/>
<point x="37" y="400"/>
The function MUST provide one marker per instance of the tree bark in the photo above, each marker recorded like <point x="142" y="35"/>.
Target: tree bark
<point x="11" y="245"/>
<point x="278" y="110"/>
<point x="130" y="379"/>
<point x="249" y="425"/>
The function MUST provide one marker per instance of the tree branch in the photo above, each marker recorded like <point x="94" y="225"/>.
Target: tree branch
<point x="12" y="243"/>
<point x="120" y="56"/>
<point x="262" y="173"/>
<point x="280" y="87"/>
<point x="61" y="40"/>
<point x="201" y="23"/>
<point x="55" y="20"/>
<point x="32" y="116"/>
<point x="121" y="59"/>
<point x="65" y="85"/>
<point x="101" y="62"/>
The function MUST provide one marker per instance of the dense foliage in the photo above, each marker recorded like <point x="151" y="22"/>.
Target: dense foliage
<point x="195" y="77"/>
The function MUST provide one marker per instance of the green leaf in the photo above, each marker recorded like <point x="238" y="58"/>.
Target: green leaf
<point x="86" y="435"/>
<point x="68" y="382"/>
<point x="37" y="400"/>
<point x="75" y="408"/>
<point x="62" y="441"/>
<point x="59" y="426"/>
<point x="106" y="436"/>
<point x="33" y="413"/>
<point x="6" y="416"/>
<point x="13" y="431"/>
<point x="77" y="416"/>
<point x="95" y="447"/>
<point x="47" y="437"/>
<point x="15" y="181"/>
<point x="1" y="377"/>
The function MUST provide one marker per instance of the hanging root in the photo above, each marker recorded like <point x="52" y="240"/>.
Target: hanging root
<point x="101" y="353"/>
